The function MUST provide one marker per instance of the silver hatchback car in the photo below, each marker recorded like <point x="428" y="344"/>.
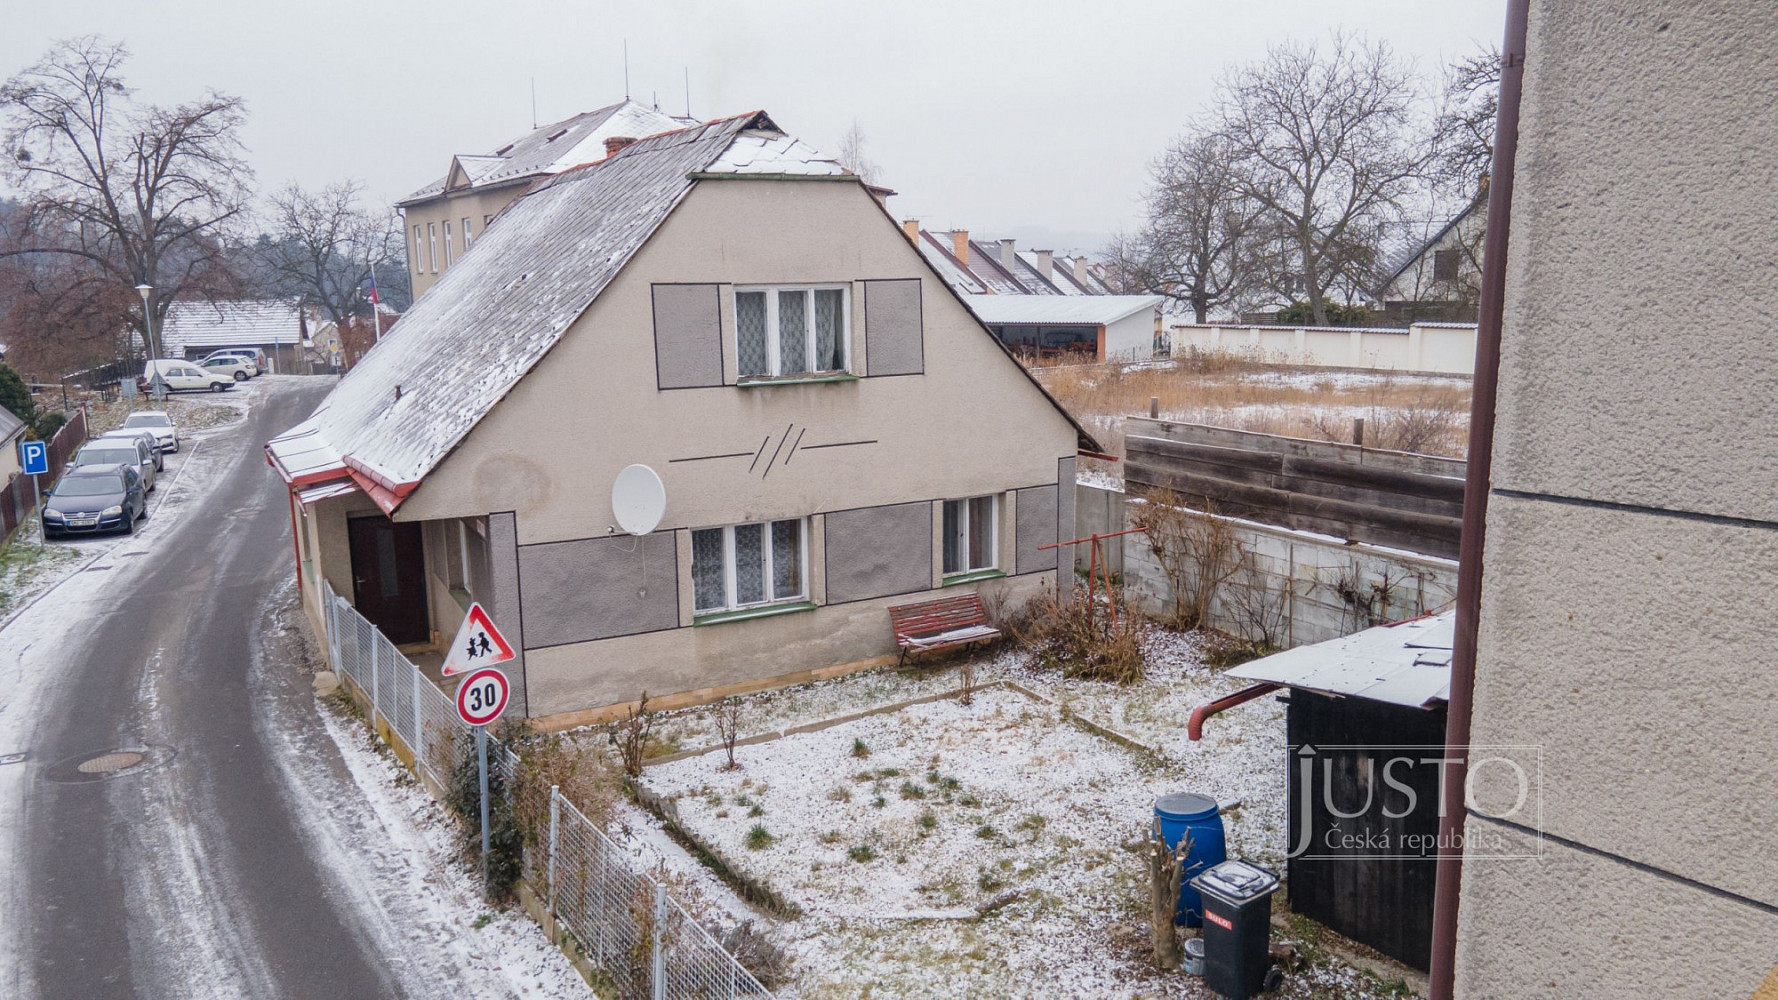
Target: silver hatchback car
<point x="119" y="451"/>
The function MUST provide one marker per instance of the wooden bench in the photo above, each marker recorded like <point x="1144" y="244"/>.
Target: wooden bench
<point x="948" y="621"/>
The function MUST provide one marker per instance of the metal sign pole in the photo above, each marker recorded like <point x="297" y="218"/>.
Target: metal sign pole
<point x="37" y="505"/>
<point x="481" y="753"/>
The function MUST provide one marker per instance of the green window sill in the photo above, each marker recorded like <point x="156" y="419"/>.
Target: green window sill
<point x="980" y="574"/>
<point x="462" y="598"/>
<point x="764" y="611"/>
<point x="759" y="381"/>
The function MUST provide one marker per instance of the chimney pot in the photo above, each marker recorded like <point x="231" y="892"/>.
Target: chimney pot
<point x="1080" y="272"/>
<point x="1009" y="255"/>
<point x="1046" y="263"/>
<point x="960" y="245"/>
<point x="912" y="228"/>
<point x="615" y="143"/>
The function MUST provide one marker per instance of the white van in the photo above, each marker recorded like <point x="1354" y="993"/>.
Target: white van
<point x="183" y="376"/>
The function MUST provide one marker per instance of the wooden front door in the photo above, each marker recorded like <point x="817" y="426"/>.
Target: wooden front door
<point x="389" y="577"/>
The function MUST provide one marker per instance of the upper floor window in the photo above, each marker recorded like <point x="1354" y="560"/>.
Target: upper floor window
<point x="466" y="234"/>
<point x="792" y="330"/>
<point x="748" y="565"/>
<point x="1445" y="264"/>
<point x="432" y="245"/>
<point x="419" y="253"/>
<point x="450" y="254"/>
<point x="971" y="532"/>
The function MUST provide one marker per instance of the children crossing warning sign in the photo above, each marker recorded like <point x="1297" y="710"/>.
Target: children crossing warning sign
<point x="478" y="644"/>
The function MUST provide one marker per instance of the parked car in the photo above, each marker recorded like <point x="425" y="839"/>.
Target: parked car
<point x="95" y="498"/>
<point x="232" y="365"/>
<point x="119" y="451"/>
<point x="253" y="354"/>
<point x="252" y="359"/>
<point x="157" y="422"/>
<point x="183" y="376"/>
<point x="144" y="435"/>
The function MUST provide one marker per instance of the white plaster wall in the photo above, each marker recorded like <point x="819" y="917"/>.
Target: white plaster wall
<point x="1442" y="348"/>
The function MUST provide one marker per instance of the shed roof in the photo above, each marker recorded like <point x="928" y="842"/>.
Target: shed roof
<point x="230" y="323"/>
<point x="1408" y="663"/>
<point x="1096" y="310"/>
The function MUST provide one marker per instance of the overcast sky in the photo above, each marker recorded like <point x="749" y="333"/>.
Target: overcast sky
<point x="1033" y="118"/>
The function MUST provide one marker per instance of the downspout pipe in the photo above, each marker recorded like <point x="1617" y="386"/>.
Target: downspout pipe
<point x="1489" y="312"/>
<point x="1195" y="728"/>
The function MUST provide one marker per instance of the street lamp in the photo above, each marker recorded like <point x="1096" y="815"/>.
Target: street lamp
<point x="145" y="290"/>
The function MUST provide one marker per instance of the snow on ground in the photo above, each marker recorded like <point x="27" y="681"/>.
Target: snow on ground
<point x="959" y="805"/>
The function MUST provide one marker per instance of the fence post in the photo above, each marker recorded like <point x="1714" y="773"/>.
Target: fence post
<point x="659" y="971"/>
<point x="419" y="720"/>
<point x="555" y="822"/>
<point x="375" y="683"/>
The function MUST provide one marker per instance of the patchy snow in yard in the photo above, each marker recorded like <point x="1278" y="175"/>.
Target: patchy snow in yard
<point x="893" y="833"/>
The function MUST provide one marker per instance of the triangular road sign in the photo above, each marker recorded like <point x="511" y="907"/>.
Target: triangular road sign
<point x="478" y="644"/>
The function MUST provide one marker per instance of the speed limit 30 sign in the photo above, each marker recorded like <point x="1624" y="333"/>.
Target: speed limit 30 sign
<point x="482" y="696"/>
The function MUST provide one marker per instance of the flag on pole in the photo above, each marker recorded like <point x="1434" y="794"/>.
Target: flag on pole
<point x="373" y="287"/>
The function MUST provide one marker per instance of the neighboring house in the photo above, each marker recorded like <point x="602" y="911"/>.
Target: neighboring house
<point x="835" y="431"/>
<point x="279" y="327"/>
<point x="12" y="431"/>
<point x="1438" y="276"/>
<point x="998" y="267"/>
<point x="446" y="217"/>
<point x="1625" y="606"/>
<point x="1104" y="327"/>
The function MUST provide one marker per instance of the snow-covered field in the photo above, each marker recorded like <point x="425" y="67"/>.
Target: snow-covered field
<point x="892" y="833"/>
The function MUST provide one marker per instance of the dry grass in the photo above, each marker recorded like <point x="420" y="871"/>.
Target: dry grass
<point x="1401" y="412"/>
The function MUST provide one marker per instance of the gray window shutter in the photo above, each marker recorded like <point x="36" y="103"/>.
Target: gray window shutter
<point x="597" y="588"/>
<point x="893" y="329"/>
<point x="878" y="551"/>
<point x="1035" y="512"/>
<point x="687" y="336"/>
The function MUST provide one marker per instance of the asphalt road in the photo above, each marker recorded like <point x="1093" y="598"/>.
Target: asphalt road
<point x="192" y="875"/>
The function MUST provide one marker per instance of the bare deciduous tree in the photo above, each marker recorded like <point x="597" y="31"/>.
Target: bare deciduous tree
<point x="1324" y="143"/>
<point x="728" y="729"/>
<point x="131" y="193"/>
<point x="1463" y="134"/>
<point x="1196" y="246"/>
<point x="853" y="156"/>
<point x="322" y="247"/>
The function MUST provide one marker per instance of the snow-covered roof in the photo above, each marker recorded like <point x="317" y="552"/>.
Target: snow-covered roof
<point x="553" y="148"/>
<point x="947" y="266"/>
<point x="230" y="323"/>
<point x="765" y="152"/>
<point x="488" y="320"/>
<point x="1094" y="310"/>
<point x="1408" y="663"/>
<point x="10" y="424"/>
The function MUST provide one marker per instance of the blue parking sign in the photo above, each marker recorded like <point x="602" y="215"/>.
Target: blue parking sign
<point x="34" y="456"/>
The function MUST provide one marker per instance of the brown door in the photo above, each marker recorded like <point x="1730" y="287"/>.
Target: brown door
<point x="389" y="577"/>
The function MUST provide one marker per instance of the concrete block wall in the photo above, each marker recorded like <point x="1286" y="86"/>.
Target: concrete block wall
<point x="1447" y="348"/>
<point x="1300" y="588"/>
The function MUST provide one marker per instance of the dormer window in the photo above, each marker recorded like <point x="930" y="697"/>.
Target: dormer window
<point x="788" y="330"/>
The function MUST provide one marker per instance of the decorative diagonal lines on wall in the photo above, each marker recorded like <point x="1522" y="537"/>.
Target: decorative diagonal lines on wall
<point x="774" y="450"/>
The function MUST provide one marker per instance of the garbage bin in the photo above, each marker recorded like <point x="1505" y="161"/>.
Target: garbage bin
<point x="1197" y="816"/>
<point x="1238" y="928"/>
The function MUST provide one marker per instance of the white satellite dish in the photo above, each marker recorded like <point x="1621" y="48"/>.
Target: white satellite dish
<point x="638" y="499"/>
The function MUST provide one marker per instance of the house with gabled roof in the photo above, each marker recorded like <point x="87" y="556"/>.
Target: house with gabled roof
<point x="834" y="430"/>
<point x="444" y="218"/>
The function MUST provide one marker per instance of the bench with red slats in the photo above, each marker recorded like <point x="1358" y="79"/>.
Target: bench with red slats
<point x="948" y="621"/>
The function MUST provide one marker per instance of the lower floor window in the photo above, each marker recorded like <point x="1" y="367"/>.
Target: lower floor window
<point x="747" y="565"/>
<point x="971" y="527"/>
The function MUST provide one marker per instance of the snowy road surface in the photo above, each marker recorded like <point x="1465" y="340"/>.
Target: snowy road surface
<point x="241" y="859"/>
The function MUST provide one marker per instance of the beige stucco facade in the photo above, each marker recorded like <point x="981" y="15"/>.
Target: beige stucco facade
<point x="968" y="423"/>
<point x="1627" y="628"/>
<point x="429" y="255"/>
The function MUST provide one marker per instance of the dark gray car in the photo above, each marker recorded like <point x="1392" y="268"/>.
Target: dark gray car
<point x="95" y="498"/>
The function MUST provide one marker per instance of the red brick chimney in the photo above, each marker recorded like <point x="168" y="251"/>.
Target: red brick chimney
<point x="960" y="245"/>
<point x="912" y="228"/>
<point x="615" y="143"/>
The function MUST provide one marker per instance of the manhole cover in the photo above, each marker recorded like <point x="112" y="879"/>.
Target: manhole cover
<point x="110" y="763"/>
<point x="101" y="764"/>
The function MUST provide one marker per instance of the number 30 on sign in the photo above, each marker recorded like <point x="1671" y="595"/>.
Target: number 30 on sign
<point x="482" y="696"/>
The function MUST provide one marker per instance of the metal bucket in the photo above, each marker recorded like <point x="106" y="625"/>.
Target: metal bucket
<point x="1194" y="956"/>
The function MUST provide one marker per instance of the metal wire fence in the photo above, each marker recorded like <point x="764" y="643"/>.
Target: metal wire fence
<point x="621" y="920"/>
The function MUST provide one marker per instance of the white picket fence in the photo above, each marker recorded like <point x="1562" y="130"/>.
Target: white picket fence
<point x="621" y="920"/>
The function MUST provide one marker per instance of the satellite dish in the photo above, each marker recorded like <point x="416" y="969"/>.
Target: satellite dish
<point x="638" y="499"/>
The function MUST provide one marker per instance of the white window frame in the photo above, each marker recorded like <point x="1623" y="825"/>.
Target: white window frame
<point x="728" y="568"/>
<point x="774" y="365"/>
<point x="450" y="250"/>
<point x="419" y="251"/>
<point x="466" y="232"/>
<point x="432" y="245"/>
<point x="994" y="507"/>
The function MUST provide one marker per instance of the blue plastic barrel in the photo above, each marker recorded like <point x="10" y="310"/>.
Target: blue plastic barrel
<point x="1183" y="813"/>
